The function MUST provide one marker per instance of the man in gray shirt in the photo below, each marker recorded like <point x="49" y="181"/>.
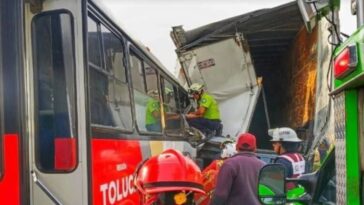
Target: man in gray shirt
<point x="237" y="180"/>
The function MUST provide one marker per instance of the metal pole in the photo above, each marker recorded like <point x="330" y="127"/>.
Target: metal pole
<point x="360" y="12"/>
<point x="45" y="189"/>
<point x="184" y="68"/>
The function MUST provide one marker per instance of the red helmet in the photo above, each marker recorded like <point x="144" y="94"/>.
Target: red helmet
<point x="169" y="171"/>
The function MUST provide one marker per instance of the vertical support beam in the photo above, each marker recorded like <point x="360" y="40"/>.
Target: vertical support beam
<point x="336" y="34"/>
<point x="360" y="13"/>
<point x="182" y="60"/>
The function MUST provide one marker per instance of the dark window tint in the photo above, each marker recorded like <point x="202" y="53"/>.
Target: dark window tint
<point x="99" y="97"/>
<point x="55" y="110"/>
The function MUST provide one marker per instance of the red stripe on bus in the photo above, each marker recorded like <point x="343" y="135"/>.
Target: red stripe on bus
<point x="9" y="184"/>
<point x="113" y="164"/>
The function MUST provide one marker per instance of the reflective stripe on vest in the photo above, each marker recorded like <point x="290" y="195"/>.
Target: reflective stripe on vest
<point x="298" y="163"/>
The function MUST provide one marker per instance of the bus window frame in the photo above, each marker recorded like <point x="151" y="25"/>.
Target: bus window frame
<point x="36" y="103"/>
<point x="142" y="57"/>
<point x="99" y="130"/>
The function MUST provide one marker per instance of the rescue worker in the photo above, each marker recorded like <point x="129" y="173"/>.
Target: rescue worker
<point x="153" y="113"/>
<point x="210" y="172"/>
<point x="207" y="116"/>
<point x="168" y="179"/>
<point x="286" y="144"/>
<point x="238" y="176"/>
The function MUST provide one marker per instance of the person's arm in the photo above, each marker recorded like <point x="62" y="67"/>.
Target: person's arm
<point x="156" y="114"/>
<point x="223" y="186"/>
<point x="204" y="104"/>
<point x="198" y="113"/>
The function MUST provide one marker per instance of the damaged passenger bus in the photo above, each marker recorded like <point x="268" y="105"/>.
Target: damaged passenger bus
<point x="74" y="90"/>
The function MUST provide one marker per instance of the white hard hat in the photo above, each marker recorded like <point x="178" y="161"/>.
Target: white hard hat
<point x="196" y="87"/>
<point x="153" y="93"/>
<point x="168" y="91"/>
<point x="283" y="134"/>
<point x="228" y="150"/>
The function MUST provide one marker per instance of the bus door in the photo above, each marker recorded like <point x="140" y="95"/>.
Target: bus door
<point x="12" y="143"/>
<point x="58" y="156"/>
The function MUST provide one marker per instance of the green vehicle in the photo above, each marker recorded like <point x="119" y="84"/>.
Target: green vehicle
<point x="340" y="179"/>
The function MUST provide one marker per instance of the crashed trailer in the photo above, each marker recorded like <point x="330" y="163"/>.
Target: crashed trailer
<point x="265" y="70"/>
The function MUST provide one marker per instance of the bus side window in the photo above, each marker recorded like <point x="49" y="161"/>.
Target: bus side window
<point x="146" y="95"/>
<point x="55" y="92"/>
<point x="98" y="78"/>
<point x="153" y="100"/>
<point x="172" y="109"/>
<point x="118" y="90"/>
<point x="109" y="92"/>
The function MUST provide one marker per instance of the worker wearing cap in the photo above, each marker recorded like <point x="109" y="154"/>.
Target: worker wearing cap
<point x="238" y="176"/>
<point x="207" y="116"/>
<point x="286" y="144"/>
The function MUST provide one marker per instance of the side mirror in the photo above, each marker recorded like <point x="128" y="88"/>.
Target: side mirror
<point x="271" y="189"/>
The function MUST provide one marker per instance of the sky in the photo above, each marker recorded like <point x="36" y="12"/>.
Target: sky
<point x="150" y="21"/>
